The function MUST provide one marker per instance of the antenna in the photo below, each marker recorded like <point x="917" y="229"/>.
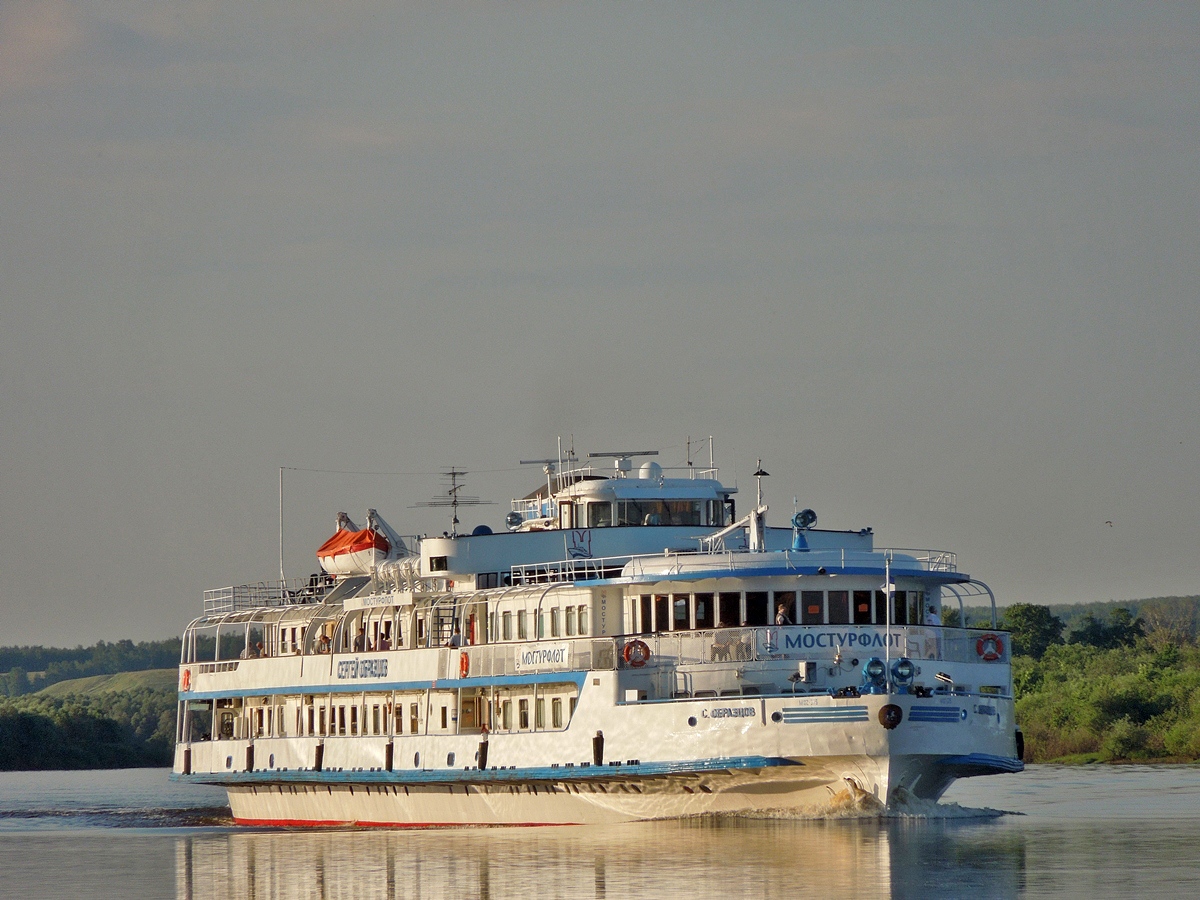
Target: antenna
<point x="453" y="498"/>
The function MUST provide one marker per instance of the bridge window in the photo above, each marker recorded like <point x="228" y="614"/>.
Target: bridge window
<point x="661" y="610"/>
<point x="659" y="512"/>
<point x="599" y="515"/>
<point x="704" y="610"/>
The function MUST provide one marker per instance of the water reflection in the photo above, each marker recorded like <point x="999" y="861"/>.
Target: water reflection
<point x="735" y="858"/>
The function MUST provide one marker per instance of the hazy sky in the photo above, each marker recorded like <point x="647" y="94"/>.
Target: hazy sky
<point x="936" y="264"/>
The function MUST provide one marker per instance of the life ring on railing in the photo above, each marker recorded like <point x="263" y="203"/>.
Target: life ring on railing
<point x="185" y="682"/>
<point x="990" y="647"/>
<point x="637" y="653"/>
<point x="464" y="664"/>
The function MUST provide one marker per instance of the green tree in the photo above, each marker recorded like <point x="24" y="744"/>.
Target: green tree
<point x="1033" y="628"/>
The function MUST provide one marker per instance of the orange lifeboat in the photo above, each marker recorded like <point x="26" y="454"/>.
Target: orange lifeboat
<point x="353" y="550"/>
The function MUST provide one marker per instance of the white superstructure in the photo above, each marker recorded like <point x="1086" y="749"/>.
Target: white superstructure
<point x="629" y="649"/>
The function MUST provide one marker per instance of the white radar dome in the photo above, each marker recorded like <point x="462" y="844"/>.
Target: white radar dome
<point x="650" y="470"/>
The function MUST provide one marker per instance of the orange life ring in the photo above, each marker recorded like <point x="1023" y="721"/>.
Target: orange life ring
<point x="185" y="683"/>
<point x="464" y="664"/>
<point x="637" y="653"/>
<point x="990" y="647"/>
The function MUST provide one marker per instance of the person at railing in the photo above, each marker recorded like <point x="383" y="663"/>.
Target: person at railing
<point x="781" y="616"/>
<point x="323" y="644"/>
<point x="383" y="643"/>
<point x="455" y="639"/>
<point x="360" y="640"/>
<point x="932" y="618"/>
<point x="722" y="645"/>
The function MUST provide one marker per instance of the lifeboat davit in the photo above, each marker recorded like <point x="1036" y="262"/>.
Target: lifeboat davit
<point x="353" y="550"/>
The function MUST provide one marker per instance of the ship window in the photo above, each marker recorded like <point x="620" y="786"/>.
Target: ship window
<point x="679" y="612"/>
<point x="862" y="607"/>
<point x="341" y="717"/>
<point x="571" y="707"/>
<point x="445" y="719"/>
<point x="646" y="618"/>
<point x="375" y="720"/>
<point x="599" y="515"/>
<point x="556" y="719"/>
<point x="523" y="714"/>
<point x="812" y="607"/>
<point x="487" y="580"/>
<point x="322" y="722"/>
<point x="554" y="623"/>
<point x="354" y="720"/>
<point x="311" y="715"/>
<point x="439" y="564"/>
<point x="506" y="715"/>
<point x="731" y="609"/>
<point x="583" y="620"/>
<point x="539" y="713"/>
<point x="414" y="719"/>
<point x="787" y="599"/>
<point x="658" y="512"/>
<point x="541" y="625"/>
<point x="507" y="626"/>
<point x="757" y="612"/>
<point x="399" y="727"/>
<point x="839" y="607"/>
<point x="279" y="721"/>
<point x="570" y="621"/>
<point x="661" y="611"/>
<point x="522" y="630"/>
<point x="901" y="605"/>
<point x="259" y="722"/>
<point x="704" y="610"/>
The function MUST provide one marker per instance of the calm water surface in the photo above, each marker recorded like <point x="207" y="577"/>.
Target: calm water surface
<point x="1131" y="831"/>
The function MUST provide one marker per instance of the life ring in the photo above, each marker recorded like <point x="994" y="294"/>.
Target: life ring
<point x="637" y="653"/>
<point x="990" y="647"/>
<point x="185" y="683"/>
<point x="464" y="664"/>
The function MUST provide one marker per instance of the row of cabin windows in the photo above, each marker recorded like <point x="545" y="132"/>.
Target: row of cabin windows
<point x="566" y="621"/>
<point x="344" y="719"/>
<point x="656" y="613"/>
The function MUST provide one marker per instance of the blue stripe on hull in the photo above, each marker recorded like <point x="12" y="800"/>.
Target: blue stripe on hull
<point x="540" y="774"/>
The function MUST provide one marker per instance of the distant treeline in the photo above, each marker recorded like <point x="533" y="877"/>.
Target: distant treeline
<point x="104" y="731"/>
<point x="24" y="670"/>
<point x="1120" y="682"/>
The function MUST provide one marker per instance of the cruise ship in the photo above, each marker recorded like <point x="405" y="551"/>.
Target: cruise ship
<point x="627" y="647"/>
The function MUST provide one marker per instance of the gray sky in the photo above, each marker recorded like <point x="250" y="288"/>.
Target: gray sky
<point x="937" y="264"/>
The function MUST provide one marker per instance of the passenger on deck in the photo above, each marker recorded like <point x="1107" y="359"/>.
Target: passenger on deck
<point x="932" y="618"/>
<point x="360" y="640"/>
<point x="455" y="639"/>
<point x="323" y="644"/>
<point x="781" y="616"/>
<point x="383" y="643"/>
<point x="722" y="645"/>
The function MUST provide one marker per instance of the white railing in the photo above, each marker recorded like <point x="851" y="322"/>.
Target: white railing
<point x="239" y="597"/>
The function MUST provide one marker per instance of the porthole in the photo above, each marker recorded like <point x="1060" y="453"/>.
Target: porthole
<point x="692" y="721"/>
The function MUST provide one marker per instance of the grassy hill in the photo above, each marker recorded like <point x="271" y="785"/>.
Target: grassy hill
<point x="152" y="679"/>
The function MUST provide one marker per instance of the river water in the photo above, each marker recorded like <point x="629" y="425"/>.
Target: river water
<point x="1052" y="831"/>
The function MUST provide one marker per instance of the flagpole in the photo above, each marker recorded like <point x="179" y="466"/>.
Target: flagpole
<point x="887" y="594"/>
